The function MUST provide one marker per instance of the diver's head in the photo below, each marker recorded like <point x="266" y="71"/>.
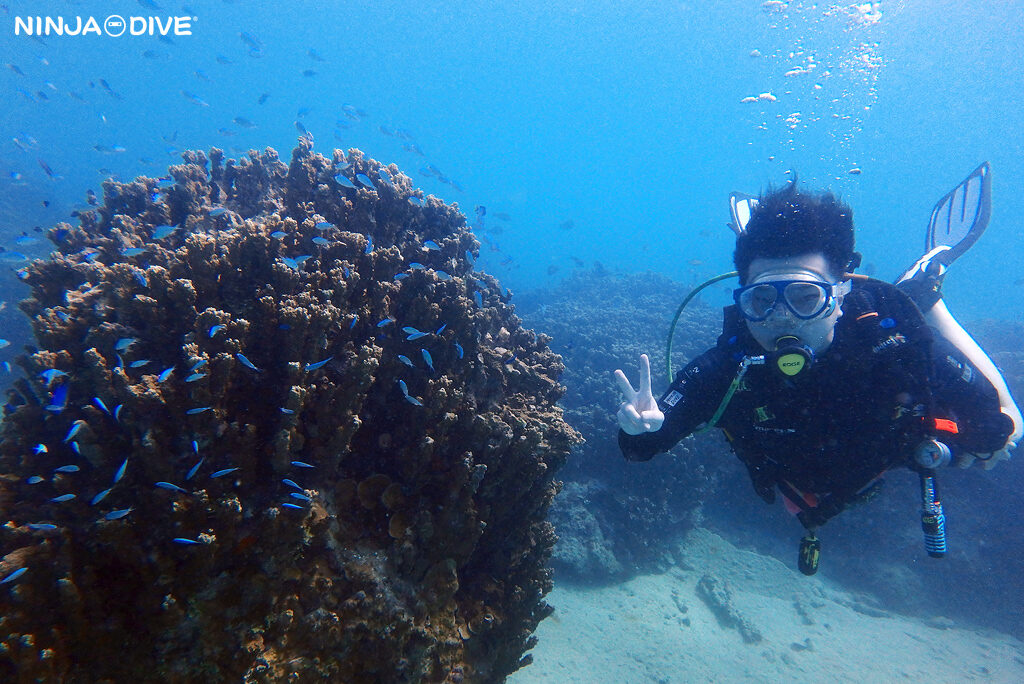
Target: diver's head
<point x="791" y="259"/>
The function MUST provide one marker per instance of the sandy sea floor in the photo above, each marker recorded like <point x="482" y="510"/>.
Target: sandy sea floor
<point x="663" y="628"/>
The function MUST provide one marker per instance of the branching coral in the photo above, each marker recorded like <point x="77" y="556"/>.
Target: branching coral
<point x="305" y="438"/>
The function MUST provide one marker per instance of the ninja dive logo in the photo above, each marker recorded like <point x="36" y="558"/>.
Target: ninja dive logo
<point x="114" y="26"/>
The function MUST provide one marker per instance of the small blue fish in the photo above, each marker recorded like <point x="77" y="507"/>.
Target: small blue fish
<point x="321" y="241"/>
<point x="217" y="211"/>
<point x="409" y="330"/>
<point x="222" y="473"/>
<point x="100" y="497"/>
<point x="124" y="343"/>
<point x="401" y="276"/>
<point x="301" y="464"/>
<point x="139" y="364"/>
<point x="297" y="495"/>
<point x="291" y="505"/>
<point x="413" y="400"/>
<point x="478" y="298"/>
<point x="169" y="486"/>
<point x="406" y="361"/>
<point x="344" y="182"/>
<point x="278" y="234"/>
<point x="74" y="447"/>
<point x="185" y="541"/>
<point x="458" y="349"/>
<point x="214" y="329"/>
<point x="402" y="386"/>
<point x="195" y="376"/>
<point x="133" y="251"/>
<point x="194" y="469"/>
<point x="166" y="373"/>
<point x="75" y="427"/>
<point x="62" y="498"/>
<point x="365" y="180"/>
<point x="286" y="411"/>
<point x="323" y="225"/>
<point x="442" y="275"/>
<point x="510" y="359"/>
<point x="430" y="244"/>
<point x="292" y="483"/>
<point x="318" y="364"/>
<point x="67" y="469"/>
<point x="441" y="329"/>
<point x="117" y="412"/>
<point x="369" y="244"/>
<point x="39" y="449"/>
<point x="35" y="479"/>
<point x="160" y="232"/>
<point x="41" y="526"/>
<point x="355" y="318"/>
<point x="290" y="263"/>
<point x="429" y="361"/>
<point x="99" y="402"/>
<point x="140" y="277"/>
<point x="194" y="411"/>
<point x="14" y="575"/>
<point x="120" y="471"/>
<point x="195" y="446"/>
<point x="416" y="335"/>
<point x="118" y="514"/>
<point x="246" y="362"/>
<point x="51" y="375"/>
<point x="385" y="321"/>
<point x="199" y="364"/>
<point x="416" y="266"/>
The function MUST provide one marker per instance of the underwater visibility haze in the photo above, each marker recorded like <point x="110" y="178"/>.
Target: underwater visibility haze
<point x="309" y="313"/>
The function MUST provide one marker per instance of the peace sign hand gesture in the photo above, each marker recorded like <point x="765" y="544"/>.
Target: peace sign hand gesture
<point x="639" y="411"/>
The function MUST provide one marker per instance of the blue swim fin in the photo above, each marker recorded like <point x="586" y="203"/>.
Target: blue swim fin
<point x="956" y="223"/>
<point x="741" y="206"/>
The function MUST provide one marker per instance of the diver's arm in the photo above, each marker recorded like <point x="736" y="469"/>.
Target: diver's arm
<point x="689" y="401"/>
<point x="973" y="402"/>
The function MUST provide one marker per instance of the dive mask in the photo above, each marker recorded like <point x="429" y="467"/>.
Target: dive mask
<point x="805" y="299"/>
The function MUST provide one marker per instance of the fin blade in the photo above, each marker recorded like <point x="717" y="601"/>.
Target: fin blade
<point x="961" y="216"/>
<point x="741" y="206"/>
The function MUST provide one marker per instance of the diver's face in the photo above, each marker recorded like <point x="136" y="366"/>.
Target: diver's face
<point x="817" y="333"/>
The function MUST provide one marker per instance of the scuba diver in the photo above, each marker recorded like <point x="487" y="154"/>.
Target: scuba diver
<point x="822" y="380"/>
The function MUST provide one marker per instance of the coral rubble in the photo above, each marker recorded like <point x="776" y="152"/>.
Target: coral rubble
<point x="275" y="426"/>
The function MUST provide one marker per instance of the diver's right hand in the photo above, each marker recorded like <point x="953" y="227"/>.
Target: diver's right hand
<point x="639" y="411"/>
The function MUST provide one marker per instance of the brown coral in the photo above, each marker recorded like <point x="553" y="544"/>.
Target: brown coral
<point x="413" y="549"/>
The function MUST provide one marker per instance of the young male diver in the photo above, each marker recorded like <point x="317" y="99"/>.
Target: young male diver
<point x="822" y="380"/>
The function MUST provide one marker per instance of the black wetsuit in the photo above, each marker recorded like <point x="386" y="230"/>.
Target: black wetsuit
<point x="862" y="406"/>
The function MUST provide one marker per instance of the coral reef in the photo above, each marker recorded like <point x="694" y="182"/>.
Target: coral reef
<point x="275" y="426"/>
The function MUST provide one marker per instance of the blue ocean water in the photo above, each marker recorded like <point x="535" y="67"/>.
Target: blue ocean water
<point x="602" y="131"/>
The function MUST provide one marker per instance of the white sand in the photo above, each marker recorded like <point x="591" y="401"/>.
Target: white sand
<point x="656" y="628"/>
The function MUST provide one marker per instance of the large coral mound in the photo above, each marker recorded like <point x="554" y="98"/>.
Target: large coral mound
<point x="276" y="426"/>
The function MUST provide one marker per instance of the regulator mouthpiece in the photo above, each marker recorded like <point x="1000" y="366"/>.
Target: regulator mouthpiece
<point x="792" y="356"/>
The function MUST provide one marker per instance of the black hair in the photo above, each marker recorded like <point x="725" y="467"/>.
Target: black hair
<point x="787" y="222"/>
